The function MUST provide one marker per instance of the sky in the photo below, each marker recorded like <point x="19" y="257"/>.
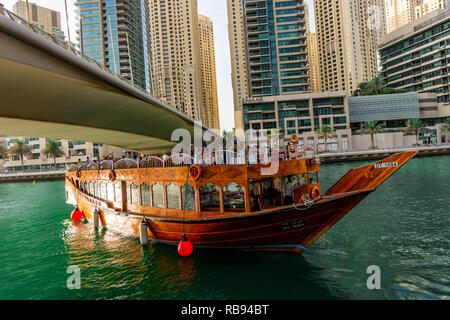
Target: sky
<point x="214" y="9"/>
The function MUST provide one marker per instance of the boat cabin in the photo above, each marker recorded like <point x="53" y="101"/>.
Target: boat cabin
<point x="157" y="189"/>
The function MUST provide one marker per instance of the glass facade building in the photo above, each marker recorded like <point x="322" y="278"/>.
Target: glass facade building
<point x="416" y="57"/>
<point x="115" y="33"/>
<point x="275" y="34"/>
<point x="297" y="114"/>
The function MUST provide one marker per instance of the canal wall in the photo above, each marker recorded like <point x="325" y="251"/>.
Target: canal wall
<point x="32" y="176"/>
<point x="382" y="154"/>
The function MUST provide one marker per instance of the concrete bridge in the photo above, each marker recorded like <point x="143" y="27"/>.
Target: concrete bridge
<point x="50" y="91"/>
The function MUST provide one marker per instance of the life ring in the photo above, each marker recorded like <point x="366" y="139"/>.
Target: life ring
<point x="112" y="175"/>
<point x="315" y="193"/>
<point x="195" y="172"/>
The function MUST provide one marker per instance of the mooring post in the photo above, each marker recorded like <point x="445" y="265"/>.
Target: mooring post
<point x="144" y="232"/>
<point x="96" y="219"/>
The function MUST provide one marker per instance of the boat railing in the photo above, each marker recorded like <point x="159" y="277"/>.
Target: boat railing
<point x="106" y="165"/>
<point x="151" y="162"/>
<point x="126" y="164"/>
<point x="179" y="160"/>
<point x="92" y="166"/>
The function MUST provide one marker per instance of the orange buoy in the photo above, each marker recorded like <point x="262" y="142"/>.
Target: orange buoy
<point x="185" y="247"/>
<point x="315" y="193"/>
<point x="76" y="215"/>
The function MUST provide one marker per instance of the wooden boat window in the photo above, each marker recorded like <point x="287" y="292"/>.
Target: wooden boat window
<point x="81" y="186"/>
<point x="173" y="196"/>
<point x="158" y="196"/>
<point x="234" y="198"/>
<point x="313" y="177"/>
<point x="103" y="194"/>
<point x="134" y="194"/>
<point x="91" y="188"/>
<point x="145" y="195"/>
<point x="96" y="189"/>
<point x="118" y="191"/>
<point x="302" y="179"/>
<point x="110" y="191"/>
<point x="188" y="197"/>
<point x="128" y="190"/>
<point x="210" y="197"/>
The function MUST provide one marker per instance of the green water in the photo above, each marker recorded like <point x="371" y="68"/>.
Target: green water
<point x="403" y="228"/>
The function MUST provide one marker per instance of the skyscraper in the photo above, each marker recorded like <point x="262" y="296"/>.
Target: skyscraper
<point x="208" y="66"/>
<point x="400" y="13"/>
<point x="347" y="42"/>
<point x="238" y="54"/>
<point x="43" y="18"/>
<point x="313" y="55"/>
<point x="430" y="5"/>
<point x="115" y="33"/>
<point x="272" y="35"/>
<point x="176" y="59"/>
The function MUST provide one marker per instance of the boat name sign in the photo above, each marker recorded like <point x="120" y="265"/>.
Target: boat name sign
<point x="386" y="165"/>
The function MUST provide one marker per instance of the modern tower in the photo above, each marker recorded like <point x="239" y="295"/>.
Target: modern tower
<point x="271" y="34"/>
<point x="42" y="18"/>
<point x="347" y="42"/>
<point x="209" y="78"/>
<point x="313" y="55"/>
<point x="115" y="33"/>
<point x="176" y="59"/>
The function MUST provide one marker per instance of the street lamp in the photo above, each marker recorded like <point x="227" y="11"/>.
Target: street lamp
<point x="67" y="22"/>
<point x="81" y="17"/>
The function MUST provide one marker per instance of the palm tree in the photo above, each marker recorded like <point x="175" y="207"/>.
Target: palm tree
<point x="52" y="149"/>
<point x="21" y="149"/>
<point x="372" y="127"/>
<point x="415" y="126"/>
<point x="377" y="85"/>
<point x="326" y="133"/>
<point x="362" y="90"/>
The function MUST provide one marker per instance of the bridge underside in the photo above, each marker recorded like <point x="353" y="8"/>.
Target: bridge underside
<point x="39" y="103"/>
<point x="46" y="91"/>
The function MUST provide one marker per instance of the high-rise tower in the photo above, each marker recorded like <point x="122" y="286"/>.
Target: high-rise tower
<point x="176" y="60"/>
<point x="209" y="78"/>
<point x="115" y="33"/>
<point x="347" y="39"/>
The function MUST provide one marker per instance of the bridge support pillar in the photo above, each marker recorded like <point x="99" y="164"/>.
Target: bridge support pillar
<point x="143" y="232"/>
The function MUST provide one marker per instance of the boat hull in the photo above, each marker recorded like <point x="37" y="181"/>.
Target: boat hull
<point x="287" y="229"/>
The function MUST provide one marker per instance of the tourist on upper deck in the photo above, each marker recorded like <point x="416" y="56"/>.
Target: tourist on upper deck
<point x="293" y="147"/>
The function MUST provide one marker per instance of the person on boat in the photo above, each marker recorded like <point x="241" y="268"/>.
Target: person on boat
<point x="289" y="191"/>
<point x="254" y="201"/>
<point x="293" y="147"/>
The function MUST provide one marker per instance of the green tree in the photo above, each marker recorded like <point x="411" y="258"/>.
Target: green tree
<point x="3" y="150"/>
<point x="20" y="149"/>
<point x="372" y="127"/>
<point x="52" y="149"/>
<point x="377" y="86"/>
<point x="446" y="127"/>
<point x="326" y="133"/>
<point x="415" y="126"/>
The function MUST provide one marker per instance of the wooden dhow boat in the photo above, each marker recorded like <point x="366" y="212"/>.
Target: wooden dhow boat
<point x="221" y="206"/>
